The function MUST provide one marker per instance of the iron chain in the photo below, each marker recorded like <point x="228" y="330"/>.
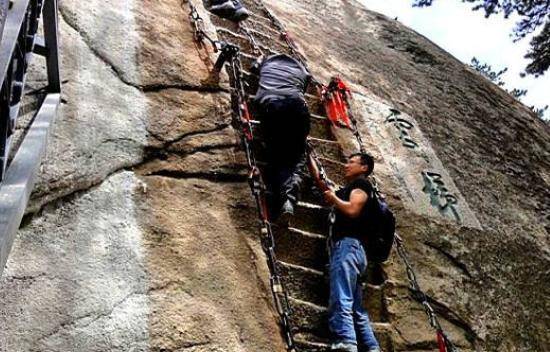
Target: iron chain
<point x="257" y="186"/>
<point x="242" y="120"/>
<point x="199" y="33"/>
<point x="420" y="295"/>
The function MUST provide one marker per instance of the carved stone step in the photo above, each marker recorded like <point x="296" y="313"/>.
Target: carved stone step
<point x="300" y="248"/>
<point x="311" y="320"/>
<point x="327" y="148"/>
<point x="267" y="45"/>
<point x="263" y="26"/>
<point x="311" y="218"/>
<point x="305" y="284"/>
<point x="257" y="14"/>
<point x="311" y="286"/>
<point x="248" y="59"/>
<point x="311" y="343"/>
<point x="320" y="128"/>
<point x="308" y="343"/>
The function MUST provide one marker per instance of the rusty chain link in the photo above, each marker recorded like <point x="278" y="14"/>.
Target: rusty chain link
<point x="420" y="296"/>
<point x="199" y="32"/>
<point x="242" y="120"/>
<point x="258" y="188"/>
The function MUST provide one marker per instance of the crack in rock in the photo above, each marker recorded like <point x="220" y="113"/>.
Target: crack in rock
<point x="209" y="176"/>
<point x="154" y="154"/>
<point x="187" y="345"/>
<point x="448" y="314"/>
<point x="218" y="128"/>
<point x="454" y="260"/>
<point x="74" y="322"/>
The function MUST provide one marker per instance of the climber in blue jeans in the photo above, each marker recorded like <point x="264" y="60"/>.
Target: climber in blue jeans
<point x="348" y="321"/>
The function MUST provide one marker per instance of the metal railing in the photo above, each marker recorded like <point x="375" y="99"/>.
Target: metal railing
<point x="20" y="40"/>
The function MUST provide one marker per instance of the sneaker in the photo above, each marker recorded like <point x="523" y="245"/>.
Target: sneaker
<point x="230" y="9"/>
<point x="343" y="347"/>
<point x="287" y="212"/>
<point x="240" y="14"/>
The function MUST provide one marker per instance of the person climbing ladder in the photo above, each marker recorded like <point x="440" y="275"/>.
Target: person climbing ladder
<point x="285" y="125"/>
<point x="349" y="323"/>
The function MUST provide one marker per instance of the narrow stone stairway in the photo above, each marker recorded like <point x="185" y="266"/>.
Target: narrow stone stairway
<point x="301" y="248"/>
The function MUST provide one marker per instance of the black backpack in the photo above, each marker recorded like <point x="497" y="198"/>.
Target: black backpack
<point x="381" y="229"/>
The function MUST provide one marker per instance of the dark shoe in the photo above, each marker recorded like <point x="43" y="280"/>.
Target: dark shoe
<point x="230" y="9"/>
<point x="363" y="348"/>
<point x="287" y="212"/>
<point x="240" y="14"/>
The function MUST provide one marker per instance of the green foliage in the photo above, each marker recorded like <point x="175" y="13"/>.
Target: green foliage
<point x="518" y="93"/>
<point x="540" y="112"/>
<point x="533" y="15"/>
<point x="486" y="70"/>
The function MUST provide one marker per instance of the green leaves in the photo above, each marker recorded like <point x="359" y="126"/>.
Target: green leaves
<point x="533" y="14"/>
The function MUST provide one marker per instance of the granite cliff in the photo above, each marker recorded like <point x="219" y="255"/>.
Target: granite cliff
<point x="142" y="234"/>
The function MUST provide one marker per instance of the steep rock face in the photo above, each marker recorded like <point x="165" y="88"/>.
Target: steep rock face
<point x="486" y="274"/>
<point x="140" y="235"/>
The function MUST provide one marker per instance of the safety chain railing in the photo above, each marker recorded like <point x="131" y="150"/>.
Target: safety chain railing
<point x="199" y="32"/>
<point x="258" y="188"/>
<point x="229" y="53"/>
<point x="342" y="97"/>
<point x="444" y="343"/>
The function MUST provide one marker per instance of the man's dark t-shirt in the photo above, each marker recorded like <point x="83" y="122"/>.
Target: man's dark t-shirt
<point x="358" y="227"/>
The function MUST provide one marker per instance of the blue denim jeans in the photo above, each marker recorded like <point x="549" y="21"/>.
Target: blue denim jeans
<point x="348" y="321"/>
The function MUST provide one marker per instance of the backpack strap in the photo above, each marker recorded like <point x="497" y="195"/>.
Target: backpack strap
<point x="375" y="190"/>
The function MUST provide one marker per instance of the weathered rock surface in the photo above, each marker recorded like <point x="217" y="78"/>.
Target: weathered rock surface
<point x="198" y="261"/>
<point x="82" y="283"/>
<point x="109" y="260"/>
<point x="141" y="234"/>
<point x="102" y="127"/>
<point x="144" y="41"/>
<point x="487" y="280"/>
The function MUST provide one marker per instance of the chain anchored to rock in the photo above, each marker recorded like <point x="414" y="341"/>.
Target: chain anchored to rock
<point x="444" y="343"/>
<point x="258" y="188"/>
<point x="342" y="96"/>
<point x="229" y="53"/>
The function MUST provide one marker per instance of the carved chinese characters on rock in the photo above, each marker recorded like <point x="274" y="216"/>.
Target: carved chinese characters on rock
<point x="403" y="126"/>
<point x="440" y="197"/>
